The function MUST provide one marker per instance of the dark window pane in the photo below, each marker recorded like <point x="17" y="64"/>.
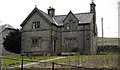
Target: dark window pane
<point x="33" y="43"/>
<point x="39" y="42"/>
<point x="38" y="24"/>
<point x="67" y="43"/>
<point x="36" y="42"/>
<point x="71" y="42"/>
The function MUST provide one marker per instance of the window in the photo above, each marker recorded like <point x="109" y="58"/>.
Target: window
<point x="35" y="42"/>
<point x="67" y="43"/>
<point x="71" y="25"/>
<point x="71" y="43"/>
<point x="74" y="43"/>
<point x="67" y="26"/>
<point x="36" y="25"/>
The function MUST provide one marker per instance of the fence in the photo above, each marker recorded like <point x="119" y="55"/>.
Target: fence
<point x="78" y="63"/>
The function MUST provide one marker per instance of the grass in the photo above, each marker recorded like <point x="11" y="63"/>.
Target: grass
<point x="106" y="38"/>
<point x="81" y="60"/>
<point x="86" y="57"/>
<point x="87" y="61"/>
<point x="91" y="61"/>
<point x="108" y="41"/>
<point x="8" y="62"/>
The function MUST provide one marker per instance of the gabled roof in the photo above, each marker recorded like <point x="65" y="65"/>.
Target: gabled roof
<point x="82" y="17"/>
<point x="68" y="15"/>
<point x="58" y="20"/>
<point x="3" y="27"/>
<point x="41" y="13"/>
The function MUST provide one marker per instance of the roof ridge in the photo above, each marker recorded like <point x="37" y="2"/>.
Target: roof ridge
<point x="74" y="14"/>
<point x="83" y="13"/>
<point x="59" y="15"/>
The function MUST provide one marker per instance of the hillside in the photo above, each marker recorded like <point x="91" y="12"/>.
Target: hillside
<point x="108" y="41"/>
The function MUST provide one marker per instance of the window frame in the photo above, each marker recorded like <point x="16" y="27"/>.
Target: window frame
<point x="35" y="42"/>
<point x="36" y="25"/>
<point x="71" y="25"/>
<point x="71" y="43"/>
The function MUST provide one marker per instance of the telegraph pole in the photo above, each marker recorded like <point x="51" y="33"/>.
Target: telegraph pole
<point x="0" y="62"/>
<point x="102" y="31"/>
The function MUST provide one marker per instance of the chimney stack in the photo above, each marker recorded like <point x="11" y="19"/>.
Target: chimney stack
<point x="92" y="10"/>
<point x="92" y="7"/>
<point x="51" y="11"/>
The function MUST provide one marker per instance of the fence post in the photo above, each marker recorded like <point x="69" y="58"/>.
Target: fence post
<point x="52" y="65"/>
<point x="0" y="62"/>
<point x="22" y="63"/>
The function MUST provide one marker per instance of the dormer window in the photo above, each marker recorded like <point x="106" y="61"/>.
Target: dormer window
<point x="71" y="25"/>
<point x="67" y="26"/>
<point x="36" y="25"/>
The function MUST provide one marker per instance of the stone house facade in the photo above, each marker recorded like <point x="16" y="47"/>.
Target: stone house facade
<point x="53" y="34"/>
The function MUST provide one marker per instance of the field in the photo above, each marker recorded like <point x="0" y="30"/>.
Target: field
<point x="15" y="60"/>
<point x="108" y="41"/>
<point x="87" y="61"/>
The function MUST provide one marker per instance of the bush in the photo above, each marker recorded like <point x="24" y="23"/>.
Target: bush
<point x="12" y="42"/>
<point x="108" y="48"/>
<point x="75" y="49"/>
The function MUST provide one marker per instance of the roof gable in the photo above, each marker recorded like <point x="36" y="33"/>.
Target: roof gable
<point x="82" y="17"/>
<point x="68" y="15"/>
<point x="6" y="26"/>
<point x="41" y="13"/>
<point x="58" y="20"/>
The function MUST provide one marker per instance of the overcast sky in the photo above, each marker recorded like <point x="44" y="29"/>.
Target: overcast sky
<point x="14" y="12"/>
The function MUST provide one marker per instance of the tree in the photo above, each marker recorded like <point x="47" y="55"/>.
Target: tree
<point x="12" y="42"/>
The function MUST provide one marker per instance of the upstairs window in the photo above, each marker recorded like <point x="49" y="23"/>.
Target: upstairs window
<point x="67" y="26"/>
<point x="36" y="25"/>
<point x="71" y="25"/>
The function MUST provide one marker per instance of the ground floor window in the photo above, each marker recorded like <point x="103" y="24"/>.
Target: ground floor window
<point x="35" y="42"/>
<point x="71" y="42"/>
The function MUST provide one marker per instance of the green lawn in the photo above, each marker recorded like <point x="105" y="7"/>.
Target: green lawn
<point x="91" y="61"/>
<point x="9" y="62"/>
<point x="81" y="60"/>
<point x="87" y="57"/>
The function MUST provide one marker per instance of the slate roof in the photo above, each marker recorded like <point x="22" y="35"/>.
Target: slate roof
<point x="82" y="17"/>
<point x="47" y="16"/>
<point x="58" y="19"/>
<point x="3" y="27"/>
<point x="41" y="13"/>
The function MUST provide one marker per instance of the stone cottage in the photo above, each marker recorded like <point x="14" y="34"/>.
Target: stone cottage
<point x="47" y="33"/>
<point x="4" y="30"/>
